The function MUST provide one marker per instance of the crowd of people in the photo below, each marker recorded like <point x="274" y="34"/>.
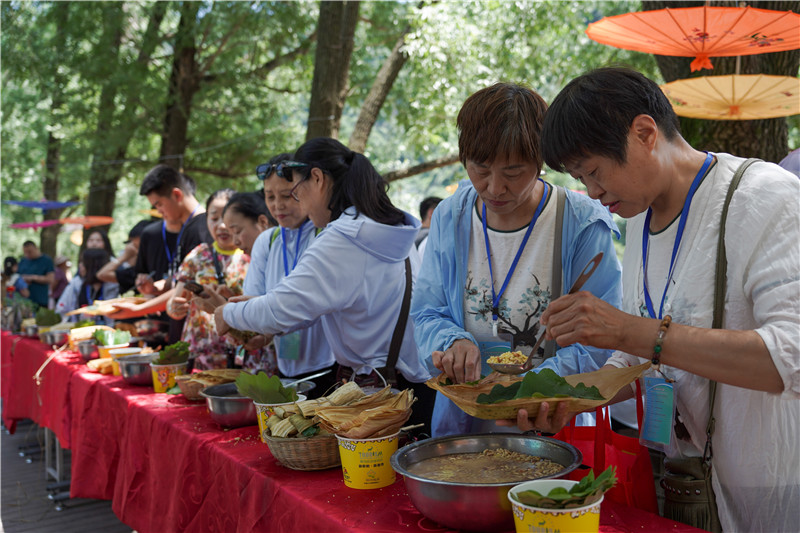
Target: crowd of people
<point x="320" y="271"/>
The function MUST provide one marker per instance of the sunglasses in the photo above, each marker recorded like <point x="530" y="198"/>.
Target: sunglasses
<point x="283" y="169"/>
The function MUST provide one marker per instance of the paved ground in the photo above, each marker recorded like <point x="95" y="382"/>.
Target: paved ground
<point x="24" y="503"/>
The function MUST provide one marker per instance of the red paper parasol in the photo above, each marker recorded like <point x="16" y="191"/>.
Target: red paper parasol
<point x="700" y="32"/>
<point x="34" y="225"/>
<point x="88" y="221"/>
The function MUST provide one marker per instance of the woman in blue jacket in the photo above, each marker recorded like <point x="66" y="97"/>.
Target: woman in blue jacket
<point x="494" y="261"/>
<point x="352" y="277"/>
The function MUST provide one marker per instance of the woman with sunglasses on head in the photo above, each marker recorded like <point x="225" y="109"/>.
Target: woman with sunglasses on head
<point x="274" y="255"/>
<point x="220" y="263"/>
<point x="352" y="277"/>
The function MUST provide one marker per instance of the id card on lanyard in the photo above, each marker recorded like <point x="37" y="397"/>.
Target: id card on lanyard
<point x="496" y="296"/>
<point x="289" y="344"/>
<point x="659" y="413"/>
<point x="174" y="258"/>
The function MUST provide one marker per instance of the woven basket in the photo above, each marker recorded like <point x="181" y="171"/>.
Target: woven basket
<point x="608" y="380"/>
<point x="313" y="453"/>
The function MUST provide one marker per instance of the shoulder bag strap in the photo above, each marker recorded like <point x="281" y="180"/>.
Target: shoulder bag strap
<point x="720" y="282"/>
<point x="561" y="195"/>
<point x="399" y="329"/>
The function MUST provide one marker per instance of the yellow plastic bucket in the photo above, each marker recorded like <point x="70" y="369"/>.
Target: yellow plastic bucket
<point x="365" y="462"/>
<point x="584" y="519"/>
<point x="266" y="410"/>
<point x="116" y="353"/>
<point x="164" y="375"/>
<point x="105" y="351"/>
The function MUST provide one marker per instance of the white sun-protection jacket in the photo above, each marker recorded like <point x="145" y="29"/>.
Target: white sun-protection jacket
<point x="352" y="277"/>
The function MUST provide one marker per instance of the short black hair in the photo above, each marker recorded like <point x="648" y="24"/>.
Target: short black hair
<point x="28" y="243"/>
<point x="248" y="204"/>
<point x="427" y="204"/>
<point x="162" y="179"/>
<point x="593" y="114"/>
<point x="8" y="265"/>
<point x="138" y="229"/>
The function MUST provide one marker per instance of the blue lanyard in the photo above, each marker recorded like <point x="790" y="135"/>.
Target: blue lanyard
<point x="89" y="299"/>
<point x="170" y="257"/>
<point x="285" y="253"/>
<point x="496" y="297"/>
<point x="678" y="237"/>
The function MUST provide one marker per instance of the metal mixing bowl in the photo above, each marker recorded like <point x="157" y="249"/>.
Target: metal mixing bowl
<point x="228" y="408"/>
<point x="87" y="349"/>
<point x="302" y="388"/>
<point x="474" y="506"/>
<point x="135" y="369"/>
<point x="31" y="330"/>
<point x="57" y="337"/>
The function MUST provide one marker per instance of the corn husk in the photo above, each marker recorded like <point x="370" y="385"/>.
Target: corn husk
<point x="300" y="423"/>
<point x="273" y="421"/>
<point x="308" y="408"/>
<point x="377" y="415"/>
<point x="284" y="428"/>
<point x="345" y="394"/>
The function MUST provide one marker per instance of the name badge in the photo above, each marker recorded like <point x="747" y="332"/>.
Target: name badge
<point x="289" y="346"/>
<point x="659" y="414"/>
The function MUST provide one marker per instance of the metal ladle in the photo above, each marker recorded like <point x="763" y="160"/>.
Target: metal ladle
<point x="508" y="368"/>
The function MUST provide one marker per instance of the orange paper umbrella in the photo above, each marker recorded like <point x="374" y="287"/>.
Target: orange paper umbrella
<point x="88" y="221"/>
<point x="700" y="32"/>
<point x="735" y="97"/>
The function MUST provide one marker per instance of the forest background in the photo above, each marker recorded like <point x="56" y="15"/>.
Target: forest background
<point x="94" y="94"/>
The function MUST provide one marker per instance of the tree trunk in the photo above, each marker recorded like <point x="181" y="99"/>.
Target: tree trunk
<point x="335" y="34"/>
<point x="117" y="125"/>
<point x="377" y="94"/>
<point x="766" y="139"/>
<point x="425" y="166"/>
<point x="183" y="85"/>
<point x="53" y="158"/>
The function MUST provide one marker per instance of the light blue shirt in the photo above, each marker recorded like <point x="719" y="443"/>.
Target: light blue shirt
<point x="437" y="306"/>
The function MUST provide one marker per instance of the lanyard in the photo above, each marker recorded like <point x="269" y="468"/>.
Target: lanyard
<point x="89" y="292"/>
<point x="496" y="297"/>
<point x="170" y="258"/>
<point x="678" y="237"/>
<point x="285" y="253"/>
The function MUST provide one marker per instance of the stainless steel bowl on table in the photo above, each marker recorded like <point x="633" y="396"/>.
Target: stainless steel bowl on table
<point x="474" y="506"/>
<point x="135" y="369"/>
<point x="87" y="349"/>
<point x="228" y="408"/>
<point x="31" y="330"/>
<point x="57" y="337"/>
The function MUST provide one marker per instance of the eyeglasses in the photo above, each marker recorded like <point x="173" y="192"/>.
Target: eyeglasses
<point x="293" y="192"/>
<point x="282" y="169"/>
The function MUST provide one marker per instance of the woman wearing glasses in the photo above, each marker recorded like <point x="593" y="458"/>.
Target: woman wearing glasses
<point x="352" y="277"/>
<point x="276" y="253"/>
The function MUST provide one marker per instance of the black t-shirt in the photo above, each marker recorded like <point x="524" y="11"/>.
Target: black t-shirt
<point x="153" y="257"/>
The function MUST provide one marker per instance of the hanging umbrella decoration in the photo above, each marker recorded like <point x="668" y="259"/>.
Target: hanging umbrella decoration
<point x="735" y="97"/>
<point x="700" y="32"/>
<point x="44" y="205"/>
<point x="85" y="221"/>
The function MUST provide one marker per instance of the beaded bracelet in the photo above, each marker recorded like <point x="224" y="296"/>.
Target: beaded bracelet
<point x="662" y="331"/>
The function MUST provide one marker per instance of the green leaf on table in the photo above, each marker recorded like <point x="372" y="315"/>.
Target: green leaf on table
<point x="47" y="317"/>
<point x="174" y="390"/>
<point x="264" y="389"/>
<point x="105" y="337"/>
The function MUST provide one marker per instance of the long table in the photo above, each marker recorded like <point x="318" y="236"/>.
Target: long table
<point x="167" y="466"/>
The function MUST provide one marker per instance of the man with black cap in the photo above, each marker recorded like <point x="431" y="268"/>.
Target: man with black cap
<point x="122" y="269"/>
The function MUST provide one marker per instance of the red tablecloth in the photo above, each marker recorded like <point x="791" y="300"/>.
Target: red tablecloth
<point x="168" y="467"/>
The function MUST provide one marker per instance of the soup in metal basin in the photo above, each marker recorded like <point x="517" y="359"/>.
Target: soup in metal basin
<point x="489" y="466"/>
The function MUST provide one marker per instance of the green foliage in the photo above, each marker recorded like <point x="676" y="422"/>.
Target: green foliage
<point x="47" y="317"/>
<point x="264" y="389"/>
<point x="586" y="492"/>
<point x="114" y="337"/>
<point x="543" y="384"/>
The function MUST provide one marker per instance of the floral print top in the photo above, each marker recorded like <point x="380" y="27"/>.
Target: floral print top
<point x="209" y="349"/>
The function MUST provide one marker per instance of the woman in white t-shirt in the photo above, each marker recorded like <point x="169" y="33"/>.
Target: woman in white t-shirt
<point x="487" y="274"/>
